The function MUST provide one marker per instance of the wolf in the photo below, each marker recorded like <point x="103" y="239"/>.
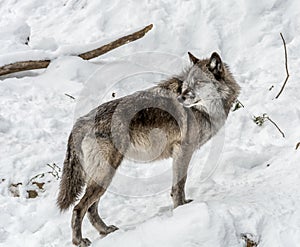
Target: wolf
<point x="172" y="119"/>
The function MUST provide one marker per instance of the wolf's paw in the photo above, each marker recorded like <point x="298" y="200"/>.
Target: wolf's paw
<point x="181" y="202"/>
<point x="85" y="242"/>
<point x="188" y="201"/>
<point x="109" y="229"/>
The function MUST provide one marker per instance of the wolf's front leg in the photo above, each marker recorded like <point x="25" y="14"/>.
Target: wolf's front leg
<point x="181" y="160"/>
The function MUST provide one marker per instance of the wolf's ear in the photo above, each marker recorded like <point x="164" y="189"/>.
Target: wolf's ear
<point x="193" y="59"/>
<point x="215" y="65"/>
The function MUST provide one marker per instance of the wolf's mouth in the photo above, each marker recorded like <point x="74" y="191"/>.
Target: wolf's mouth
<point x="198" y="102"/>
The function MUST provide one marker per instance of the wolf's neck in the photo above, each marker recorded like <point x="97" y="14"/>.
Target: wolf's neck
<point x="217" y="114"/>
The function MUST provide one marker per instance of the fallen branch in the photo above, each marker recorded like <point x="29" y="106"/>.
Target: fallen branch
<point x="276" y="126"/>
<point x="115" y="44"/>
<point x="286" y="67"/>
<point x="259" y="120"/>
<point x="41" y="64"/>
<point x="22" y="66"/>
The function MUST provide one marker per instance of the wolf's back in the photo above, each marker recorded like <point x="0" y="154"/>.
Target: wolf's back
<point x="72" y="179"/>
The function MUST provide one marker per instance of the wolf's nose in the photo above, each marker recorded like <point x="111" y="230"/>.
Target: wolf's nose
<point x="181" y="98"/>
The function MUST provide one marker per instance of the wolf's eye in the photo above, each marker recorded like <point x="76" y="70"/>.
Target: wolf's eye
<point x="203" y="82"/>
<point x="200" y="83"/>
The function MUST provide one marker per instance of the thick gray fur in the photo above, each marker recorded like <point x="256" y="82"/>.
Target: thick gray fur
<point x="172" y="119"/>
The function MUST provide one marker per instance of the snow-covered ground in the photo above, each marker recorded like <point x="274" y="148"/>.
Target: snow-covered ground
<point x="255" y="188"/>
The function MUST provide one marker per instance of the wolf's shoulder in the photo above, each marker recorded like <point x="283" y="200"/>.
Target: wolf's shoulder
<point x="173" y="85"/>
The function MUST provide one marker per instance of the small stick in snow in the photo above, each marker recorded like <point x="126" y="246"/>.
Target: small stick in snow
<point x="55" y="170"/>
<point x="275" y="126"/>
<point x="261" y="119"/>
<point x="286" y="67"/>
<point x="297" y="145"/>
<point x="41" y="64"/>
<point x="238" y="105"/>
<point x="70" y="96"/>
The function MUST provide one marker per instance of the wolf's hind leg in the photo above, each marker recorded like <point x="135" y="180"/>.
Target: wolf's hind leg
<point x="92" y="194"/>
<point x="97" y="222"/>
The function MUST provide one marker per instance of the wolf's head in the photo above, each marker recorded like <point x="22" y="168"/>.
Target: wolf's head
<point x="208" y="81"/>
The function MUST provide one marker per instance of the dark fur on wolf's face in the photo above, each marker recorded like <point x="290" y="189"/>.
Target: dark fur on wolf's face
<point x="204" y="83"/>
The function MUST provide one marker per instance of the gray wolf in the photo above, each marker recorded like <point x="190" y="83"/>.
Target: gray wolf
<point x="172" y="119"/>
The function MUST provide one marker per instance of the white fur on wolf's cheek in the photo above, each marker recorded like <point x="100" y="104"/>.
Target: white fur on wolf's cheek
<point x="193" y="104"/>
<point x="184" y="86"/>
<point x="214" y="108"/>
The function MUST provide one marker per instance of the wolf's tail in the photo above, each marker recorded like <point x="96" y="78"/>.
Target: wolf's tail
<point x="72" y="179"/>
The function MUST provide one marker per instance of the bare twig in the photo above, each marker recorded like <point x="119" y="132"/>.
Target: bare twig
<point x="238" y="105"/>
<point x="40" y="175"/>
<point x="54" y="172"/>
<point x="41" y="64"/>
<point x="276" y="126"/>
<point x="286" y="67"/>
<point x="70" y="96"/>
<point x="297" y="145"/>
<point x="259" y="120"/>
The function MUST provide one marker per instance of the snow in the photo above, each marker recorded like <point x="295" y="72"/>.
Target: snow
<point x="245" y="181"/>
